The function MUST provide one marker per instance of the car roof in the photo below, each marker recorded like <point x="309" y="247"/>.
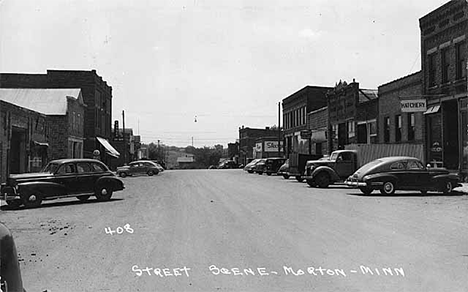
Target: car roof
<point x="67" y="160"/>
<point x="397" y="158"/>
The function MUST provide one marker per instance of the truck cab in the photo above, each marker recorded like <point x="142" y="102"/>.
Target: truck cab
<point x="335" y="168"/>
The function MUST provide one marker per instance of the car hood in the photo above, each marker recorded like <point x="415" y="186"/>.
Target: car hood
<point x="319" y="162"/>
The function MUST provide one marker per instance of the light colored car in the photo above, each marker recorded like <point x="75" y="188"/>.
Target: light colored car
<point x="138" y="167"/>
<point x="250" y="167"/>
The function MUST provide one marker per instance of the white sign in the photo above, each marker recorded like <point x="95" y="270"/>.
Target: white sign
<point x="414" y="105"/>
<point x="272" y="146"/>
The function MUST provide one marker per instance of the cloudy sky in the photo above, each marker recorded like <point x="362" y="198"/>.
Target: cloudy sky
<point x="222" y="63"/>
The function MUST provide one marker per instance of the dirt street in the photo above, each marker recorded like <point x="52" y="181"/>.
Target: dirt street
<point x="226" y="230"/>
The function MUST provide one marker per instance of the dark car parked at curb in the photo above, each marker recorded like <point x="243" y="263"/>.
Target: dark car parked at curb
<point x="10" y="274"/>
<point x="228" y="164"/>
<point x="269" y="165"/>
<point x="389" y="174"/>
<point x="147" y="167"/>
<point x="62" y="178"/>
<point x="260" y="166"/>
<point x="250" y="167"/>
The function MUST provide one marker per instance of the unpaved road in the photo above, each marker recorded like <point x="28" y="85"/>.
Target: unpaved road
<point x="267" y="233"/>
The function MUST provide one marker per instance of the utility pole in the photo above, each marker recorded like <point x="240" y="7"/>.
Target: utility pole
<point x="123" y="136"/>
<point x="279" y="130"/>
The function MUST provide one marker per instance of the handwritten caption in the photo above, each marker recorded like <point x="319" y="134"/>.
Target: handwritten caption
<point x="119" y="230"/>
<point x="263" y="271"/>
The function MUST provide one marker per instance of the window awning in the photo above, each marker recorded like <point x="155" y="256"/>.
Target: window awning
<point x="433" y="109"/>
<point x="109" y="149"/>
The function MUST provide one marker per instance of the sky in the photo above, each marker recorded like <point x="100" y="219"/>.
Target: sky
<point x="198" y="70"/>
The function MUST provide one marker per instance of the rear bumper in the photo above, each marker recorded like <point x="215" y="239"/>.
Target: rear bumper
<point x="355" y="183"/>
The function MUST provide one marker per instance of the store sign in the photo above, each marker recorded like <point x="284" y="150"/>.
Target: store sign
<point x="306" y="134"/>
<point x="271" y="146"/>
<point x="414" y="105"/>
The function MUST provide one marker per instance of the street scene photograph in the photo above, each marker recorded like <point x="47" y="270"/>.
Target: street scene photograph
<point x="206" y="145"/>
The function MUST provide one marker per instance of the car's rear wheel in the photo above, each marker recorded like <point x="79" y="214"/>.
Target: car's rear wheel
<point x="15" y="204"/>
<point x="268" y="173"/>
<point x="299" y="178"/>
<point x="104" y="193"/>
<point x="32" y="200"/>
<point x="150" y="172"/>
<point x="448" y="187"/>
<point x="83" y="198"/>
<point x="260" y="172"/>
<point x="123" y="174"/>
<point x="366" y="190"/>
<point x="322" y="179"/>
<point x="286" y="176"/>
<point x="388" y="188"/>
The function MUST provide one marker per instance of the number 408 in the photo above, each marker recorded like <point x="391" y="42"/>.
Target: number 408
<point x="119" y="230"/>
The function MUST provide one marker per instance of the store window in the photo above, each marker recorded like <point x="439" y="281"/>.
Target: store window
<point x="351" y="129"/>
<point x="387" y="129"/>
<point x="397" y="128"/>
<point x="445" y="65"/>
<point x="432" y="69"/>
<point x="460" y="59"/>
<point x="410" y="126"/>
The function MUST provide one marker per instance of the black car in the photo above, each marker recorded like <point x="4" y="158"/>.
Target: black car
<point x="228" y="164"/>
<point x="10" y="274"/>
<point x="389" y="174"/>
<point x="145" y="167"/>
<point x="273" y="164"/>
<point x="62" y="178"/>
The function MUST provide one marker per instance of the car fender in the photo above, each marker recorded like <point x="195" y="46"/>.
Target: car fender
<point x="447" y="177"/>
<point x="116" y="183"/>
<point x="380" y="178"/>
<point x="10" y="274"/>
<point x="48" y="188"/>
<point x="330" y="171"/>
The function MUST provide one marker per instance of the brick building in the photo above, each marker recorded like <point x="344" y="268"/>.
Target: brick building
<point x="295" y="110"/>
<point x="353" y="114"/>
<point x="23" y="140"/>
<point x="395" y="125"/>
<point x="444" y="83"/>
<point x="64" y="110"/>
<point x="247" y="141"/>
<point x="317" y="123"/>
<point x="97" y="95"/>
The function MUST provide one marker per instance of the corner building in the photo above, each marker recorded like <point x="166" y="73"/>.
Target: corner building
<point x="444" y="84"/>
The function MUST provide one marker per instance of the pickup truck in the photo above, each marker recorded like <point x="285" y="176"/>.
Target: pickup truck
<point x="335" y="168"/>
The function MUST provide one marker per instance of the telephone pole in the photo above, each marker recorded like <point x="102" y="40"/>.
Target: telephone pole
<point x="123" y="136"/>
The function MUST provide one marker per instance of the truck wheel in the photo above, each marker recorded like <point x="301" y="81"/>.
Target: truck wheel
<point x="311" y="183"/>
<point x="323" y="180"/>
<point x="365" y="190"/>
<point x="448" y="187"/>
<point x="32" y="200"/>
<point x="286" y="176"/>
<point x="299" y="178"/>
<point x="388" y="188"/>
<point x="103" y="193"/>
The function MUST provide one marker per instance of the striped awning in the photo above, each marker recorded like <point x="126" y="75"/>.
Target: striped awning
<point x="109" y="149"/>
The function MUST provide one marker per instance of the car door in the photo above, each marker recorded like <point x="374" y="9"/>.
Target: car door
<point x="344" y="165"/>
<point x="134" y="168"/>
<point x="398" y="170"/>
<point x="66" y="176"/>
<point x="86" y="177"/>
<point x="418" y="176"/>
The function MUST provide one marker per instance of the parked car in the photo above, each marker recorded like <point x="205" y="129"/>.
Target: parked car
<point x="250" y="167"/>
<point x="284" y="169"/>
<point x="138" y="167"/>
<point x="401" y="173"/>
<point x="227" y="164"/>
<point x="273" y="164"/>
<point x="61" y="178"/>
<point x="10" y="274"/>
<point x="159" y="164"/>
<point x="260" y="166"/>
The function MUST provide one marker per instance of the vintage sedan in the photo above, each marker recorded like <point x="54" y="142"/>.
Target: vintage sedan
<point x="10" y="274"/>
<point x="389" y="174"/>
<point x="138" y="167"/>
<point x="250" y="167"/>
<point x="61" y="178"/>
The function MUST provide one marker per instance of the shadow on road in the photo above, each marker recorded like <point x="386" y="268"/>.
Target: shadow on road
<point x="46" y="204"/>
<point x="407" y="194"/>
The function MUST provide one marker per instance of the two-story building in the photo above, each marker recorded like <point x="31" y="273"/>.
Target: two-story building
<point x="248" y="139"/>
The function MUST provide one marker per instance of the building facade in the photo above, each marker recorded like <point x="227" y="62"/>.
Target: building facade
<point x="318" y="125"/>
<point x="248" y="138"/>
<point x="295" y="110"/>
<point x="353" y="114"/>
<point x="266" y="147"/>
<point x="444" y="83"/>
<point x="23" y="140"/>
<point x="97" y="95"/>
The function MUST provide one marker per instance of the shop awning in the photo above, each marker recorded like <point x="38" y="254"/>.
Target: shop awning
<point x="433" y="109"/>
<point x="109" y="149"/>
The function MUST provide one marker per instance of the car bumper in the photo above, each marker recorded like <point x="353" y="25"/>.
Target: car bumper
<point x="355" y="183"/>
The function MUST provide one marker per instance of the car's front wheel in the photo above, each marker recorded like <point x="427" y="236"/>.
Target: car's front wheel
<point x="32" y="200"/>
<point x="286" y="176"/>
<point x="299" y="178"/>
<point x="366" y="190"/>
<point x="150" y="172"/>
<point x="311" y="183"/>
<point x="103" y="193"/>
<point x="388" y="188"/>
<point x="123" y="174"/>
<point x="323" y="180"/>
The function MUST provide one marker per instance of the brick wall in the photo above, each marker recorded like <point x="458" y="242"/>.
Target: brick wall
<point x="390" y="94"/>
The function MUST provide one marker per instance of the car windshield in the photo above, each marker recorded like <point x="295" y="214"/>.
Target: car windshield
<point x="50" y="168"/>
<point x="333" y="156"/>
